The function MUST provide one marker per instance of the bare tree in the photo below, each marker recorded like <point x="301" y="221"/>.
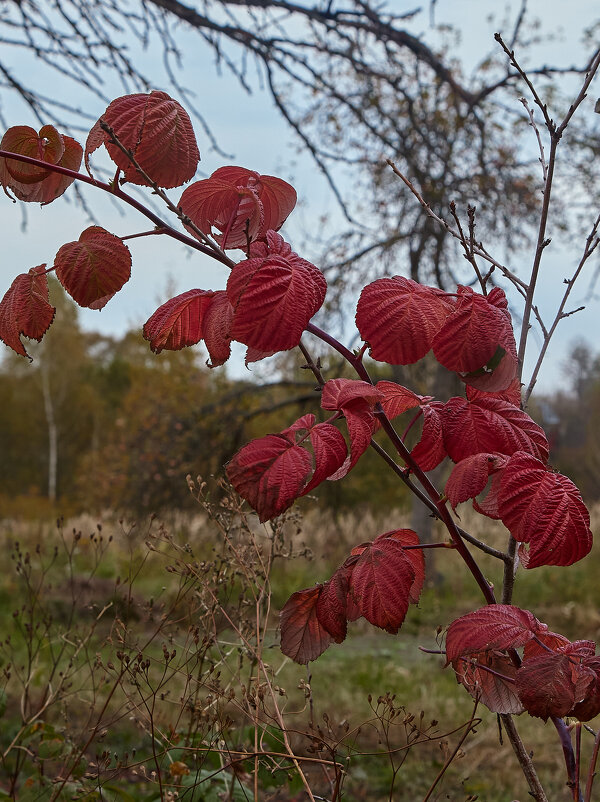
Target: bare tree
<point x="357" y="85"/>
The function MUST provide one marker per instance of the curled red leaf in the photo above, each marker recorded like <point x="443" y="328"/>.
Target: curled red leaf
<point x="32" y="183"/>
<point x="179" y="322"/>
<point x="303" y="637"/>
<point x="25" y="309"/>
<point x="356" y="399"/>
<point x="240" y="204"/>
<point x="470" y="476"/>
<point x="430" y="450"/>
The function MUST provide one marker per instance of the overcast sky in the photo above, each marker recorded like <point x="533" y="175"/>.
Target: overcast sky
<point x="251" y="130"/>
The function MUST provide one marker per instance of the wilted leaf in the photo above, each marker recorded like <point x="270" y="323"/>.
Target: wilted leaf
<point x="29" y="182"/>
<point x="494" y="687"/>
<point x="303" y="637"/>
<point x="25" y="309"/>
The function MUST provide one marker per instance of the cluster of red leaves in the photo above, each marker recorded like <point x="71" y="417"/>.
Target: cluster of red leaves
<point x="485" y="435"/>
<point x="272" y="472"/>
<point x="268" y="302"/>
<point x="241" y="204"/>
<point x="470" y="334"/>
<point x="555" y="677"/>
<point x="378" y="582"/>
<point x="270" y="296"/>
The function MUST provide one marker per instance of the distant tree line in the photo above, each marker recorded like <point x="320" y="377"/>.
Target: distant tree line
<point x="100" y="423"/>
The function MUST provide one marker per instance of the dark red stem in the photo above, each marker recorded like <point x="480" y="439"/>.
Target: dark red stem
<point x="405" y="454"/>
<point x="116" y="191"/>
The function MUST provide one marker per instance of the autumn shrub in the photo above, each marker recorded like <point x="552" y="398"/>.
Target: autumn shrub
<point x="505" y="657"/>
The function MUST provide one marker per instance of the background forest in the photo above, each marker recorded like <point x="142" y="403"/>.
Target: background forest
<point x="100" y="424"/>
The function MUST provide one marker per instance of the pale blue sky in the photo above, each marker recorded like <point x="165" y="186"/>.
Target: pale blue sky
<point x="249" y="128"/>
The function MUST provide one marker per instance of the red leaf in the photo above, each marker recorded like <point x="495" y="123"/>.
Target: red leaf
<point x="94" y="268"/>
<point x="408" y="537"/>
<point x="216" y="326"/>
<point x="470" y="336"/>
<point x="545" y="510"/>
<point x="430" y="450"/>
<point x="303" y="638"/>
<point x="31" y="183"/>
<point x="490" y="425"/>
<point x="47" y="145"/>
<point x="398" y="399"/>
<point x="235" y="211"/>
<point x="399" y="319"/>
<point x="589" y="707"/>
<point x="497" y="375"/>
<point x="381" y="584"/>
<point x="498" y="694"/>
<point x="179" y="322"/>
<point x="558" y="643"/>
<point x="512" y="394"/>
<point x="273" y="299"/>
<point x="270" y="473"/>
<point x="158" y="132"/>
<point x="488" y="505"/>
<point x="546" y="686"/>
<point x="332" y="607"/>
<point x="330" y="452"/>
<point x="356" y="399"/>
<point x="25" y="309"/>
<point x="339" y="393"/>
<point x="239" y="203"/>
<point x="497" y="626"/>
<point x="470" y="476"/>
<point x="278" y="198"/>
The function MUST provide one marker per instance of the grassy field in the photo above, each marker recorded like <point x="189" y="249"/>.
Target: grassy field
<point x="140" y="662"/>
